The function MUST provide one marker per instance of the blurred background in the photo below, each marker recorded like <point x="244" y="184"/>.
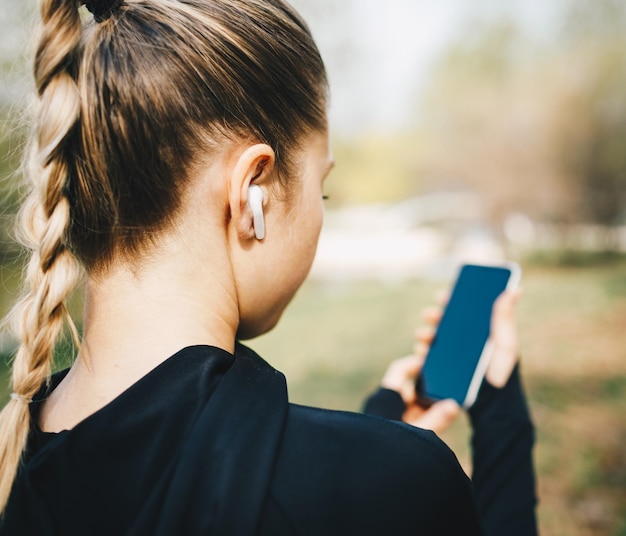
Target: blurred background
<point x="463" y="130"/>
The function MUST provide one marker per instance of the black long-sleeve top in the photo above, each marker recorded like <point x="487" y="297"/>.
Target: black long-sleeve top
<point x="502" y="441"/>
<point x="207" y="443"/>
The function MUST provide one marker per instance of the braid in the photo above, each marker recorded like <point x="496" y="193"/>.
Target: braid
<point x="52" y="272"/>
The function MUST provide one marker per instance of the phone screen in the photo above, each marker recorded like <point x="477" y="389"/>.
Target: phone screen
<point x="450" y="369"/>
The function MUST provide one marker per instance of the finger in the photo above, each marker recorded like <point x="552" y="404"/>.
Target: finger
<point x="413" y="414"/>
<point x="420" y="350"/>
<point x="504" y="307"/>
<point x="503" y="328"/>
<point x="432" y="315"/>
<point x="425" y="334"/>
<point x="442" y="297"/>
<point x="400" y="371"/>
<point x="409" y="393"/>
<point x="439" y="416"/>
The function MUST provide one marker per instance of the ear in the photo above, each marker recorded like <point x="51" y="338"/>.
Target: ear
<point x="255" y="165"/>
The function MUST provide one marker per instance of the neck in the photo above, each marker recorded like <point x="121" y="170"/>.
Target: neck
<point x="136" y="318"/>
<point x="133" y="323"/>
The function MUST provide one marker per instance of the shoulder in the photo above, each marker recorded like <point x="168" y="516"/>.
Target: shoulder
<point x="368" y="447"/>
<point x="310" y="429"/>
<point x="358" y="473"/>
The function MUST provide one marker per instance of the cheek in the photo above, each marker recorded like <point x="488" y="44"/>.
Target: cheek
<point x="291" y="262"/>
<point x="310" y="235"/>
<point x="297" y="255"/>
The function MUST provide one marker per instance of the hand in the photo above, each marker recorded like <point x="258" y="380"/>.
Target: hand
<point x="400" y="377"/>
<point x="402" y="373"/>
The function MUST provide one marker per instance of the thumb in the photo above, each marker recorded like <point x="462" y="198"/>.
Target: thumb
<point x="439" y="416"/>
<point x="503" y="316"/>
<point x="504" y="339"/>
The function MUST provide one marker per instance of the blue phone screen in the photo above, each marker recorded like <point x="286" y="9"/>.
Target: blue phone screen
<point x="462" y="333"/>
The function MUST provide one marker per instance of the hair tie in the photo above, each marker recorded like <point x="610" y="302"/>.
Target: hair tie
<point x="21" y="398"/>
<point x="103" y="9"/>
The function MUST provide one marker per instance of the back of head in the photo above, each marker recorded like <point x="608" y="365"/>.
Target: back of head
<point x="130" y="104"/>
<point x="162" y="81"/>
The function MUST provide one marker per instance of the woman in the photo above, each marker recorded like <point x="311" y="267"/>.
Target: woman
<point x="177" y="162"/>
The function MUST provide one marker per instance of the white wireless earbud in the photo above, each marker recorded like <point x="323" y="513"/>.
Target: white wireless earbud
<point x="255" y="202"/>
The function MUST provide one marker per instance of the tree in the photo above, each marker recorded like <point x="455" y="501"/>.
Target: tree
<point x="535" y="127"/>
<point x="593" y="148"/>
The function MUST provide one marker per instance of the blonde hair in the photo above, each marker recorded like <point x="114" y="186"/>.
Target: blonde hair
<point x="127" y="109"/>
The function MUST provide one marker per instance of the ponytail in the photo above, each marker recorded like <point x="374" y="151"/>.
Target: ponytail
<point x="52" y="271"/>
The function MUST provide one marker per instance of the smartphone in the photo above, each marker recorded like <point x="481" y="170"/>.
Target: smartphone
<point x="459" y="354"/>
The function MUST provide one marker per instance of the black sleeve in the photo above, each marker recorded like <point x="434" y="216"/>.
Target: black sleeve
<point x="503" y="477"/>
<point x="385" y="403"/>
